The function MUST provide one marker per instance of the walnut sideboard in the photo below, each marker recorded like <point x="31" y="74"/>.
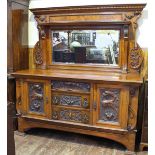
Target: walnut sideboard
<point x="87" y="72"/>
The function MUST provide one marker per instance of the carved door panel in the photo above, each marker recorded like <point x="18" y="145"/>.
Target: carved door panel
<point x="37" y="98"/>
<point x="111" y="106"/>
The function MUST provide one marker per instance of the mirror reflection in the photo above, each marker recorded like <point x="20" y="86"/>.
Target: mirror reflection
<point x="86" y="46"/>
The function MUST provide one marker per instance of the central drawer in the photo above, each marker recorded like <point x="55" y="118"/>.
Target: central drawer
<point x="70" y="100"/>
<point x="71" y="115"/>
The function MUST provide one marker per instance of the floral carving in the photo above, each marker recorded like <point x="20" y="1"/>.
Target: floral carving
<point x="67" y="100"/>
<point x="36" y="97"/>
<point x="71" y="115"/>
<point x="109" y="104"/>
<point x="135" y="58"/>
<point x="37" y="54"/>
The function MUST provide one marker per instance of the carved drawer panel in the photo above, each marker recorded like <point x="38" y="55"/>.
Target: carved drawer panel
<point x="66" y="99"/>
<point x="36" y="97"/>
<point x="70" y="86"/>
<point x="65" y="114"/>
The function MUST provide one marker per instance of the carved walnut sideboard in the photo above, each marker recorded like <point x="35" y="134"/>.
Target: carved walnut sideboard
<point x="87" y="74"/>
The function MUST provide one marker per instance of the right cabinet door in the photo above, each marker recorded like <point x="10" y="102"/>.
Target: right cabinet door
<point x="111" y="106"/>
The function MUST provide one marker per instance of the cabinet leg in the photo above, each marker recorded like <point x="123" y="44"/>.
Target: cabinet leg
<point x="20" y="125"/>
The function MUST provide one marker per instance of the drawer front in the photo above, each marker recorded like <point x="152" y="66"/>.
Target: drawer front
<point x="71" y="115"/>
<point x="72" y="100"/>
<point x="70" y="86"/>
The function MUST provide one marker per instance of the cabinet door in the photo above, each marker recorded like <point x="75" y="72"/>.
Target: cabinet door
<point x="111" y="106"/>
<point x="37" y="98"/>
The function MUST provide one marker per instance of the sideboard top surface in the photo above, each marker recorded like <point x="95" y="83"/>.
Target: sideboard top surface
<point x="79" y="75"/>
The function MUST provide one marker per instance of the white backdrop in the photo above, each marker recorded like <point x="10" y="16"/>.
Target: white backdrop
<point x="142" y="33"/>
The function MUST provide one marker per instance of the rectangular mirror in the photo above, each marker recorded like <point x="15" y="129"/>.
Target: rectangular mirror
<point x="86" y="46"/>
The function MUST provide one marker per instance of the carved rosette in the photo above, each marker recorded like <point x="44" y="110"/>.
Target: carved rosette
<point x="109" y="104"/>
<point x="36" y="100"/>
<point x="37" y="52"/>
<point x="135" y="58"/>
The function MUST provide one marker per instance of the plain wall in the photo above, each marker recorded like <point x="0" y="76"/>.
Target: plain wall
<point x="142" y="33"/>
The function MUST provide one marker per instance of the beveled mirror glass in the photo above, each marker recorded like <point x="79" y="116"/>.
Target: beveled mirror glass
<point x="86" y="46"/>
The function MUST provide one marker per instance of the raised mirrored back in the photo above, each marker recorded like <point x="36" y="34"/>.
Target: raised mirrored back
<point x="86" y="46"/>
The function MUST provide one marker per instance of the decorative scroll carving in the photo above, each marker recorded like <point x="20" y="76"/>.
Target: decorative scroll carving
<point x="36" y="100"/>
<point x="109" y="100"/>
<point x="37" y="54"/>
<point x="135" y="58"/>
<point x="132" y="17"/>
<point x="41" y="32"/>
<point x="132" y="113"/>
<point x="74" y="115"/>
<point x="132" y="116"/>
<point x="71" y="115"/>
<point x="70" y="100"/>
<point x="67" y="100"/>
<point x="71" y="86"/>
<point x="41" y="18"/>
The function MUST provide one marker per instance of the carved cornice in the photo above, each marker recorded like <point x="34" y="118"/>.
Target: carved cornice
<point x="37" y="54"/>
<point x="127" y="11"/>
<point x="90" y="8"/>
<point x="135" y="58"/>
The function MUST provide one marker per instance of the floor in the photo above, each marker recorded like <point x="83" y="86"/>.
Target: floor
<point x="51" y="142"/>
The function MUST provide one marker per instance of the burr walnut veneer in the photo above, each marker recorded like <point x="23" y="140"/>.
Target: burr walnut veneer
<point x="88" y="98"/>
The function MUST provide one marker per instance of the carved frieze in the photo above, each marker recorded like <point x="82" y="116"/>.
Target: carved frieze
<point x="71" y="115"/>
<point x="70" y="100"/>
<point x="109" y="104"/>
<point x="135" y="58"/>
<point x="74" y="115"/>
<point x="36" y="99"/>
<point x="67" y="100"/>
<point x="71" y="86"/>
<point x="37" y="54"/>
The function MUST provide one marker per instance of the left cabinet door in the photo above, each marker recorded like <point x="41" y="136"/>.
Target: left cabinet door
<point x="33" y="98"/>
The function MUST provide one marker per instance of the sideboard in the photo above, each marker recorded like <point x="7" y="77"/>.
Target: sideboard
<point x="87" y="74"/>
